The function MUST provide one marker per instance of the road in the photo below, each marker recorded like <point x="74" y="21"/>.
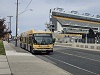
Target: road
<point x="75" y="61"/>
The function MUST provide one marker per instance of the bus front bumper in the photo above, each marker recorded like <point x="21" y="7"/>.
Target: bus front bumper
<point x="43" y="50"/>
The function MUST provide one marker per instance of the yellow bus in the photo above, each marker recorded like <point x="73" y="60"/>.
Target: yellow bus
<point x="37" y="41"/>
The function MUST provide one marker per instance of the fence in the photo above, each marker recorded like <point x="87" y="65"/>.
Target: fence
<point x="77" y="40"/>
<point x="88" y="44"/>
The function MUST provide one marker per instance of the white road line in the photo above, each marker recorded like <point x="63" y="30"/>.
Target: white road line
<point x="73" y="65"/>
<point x="78" y="56"/>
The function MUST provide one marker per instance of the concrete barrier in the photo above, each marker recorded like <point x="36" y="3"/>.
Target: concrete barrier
<point x="86" y="46"/>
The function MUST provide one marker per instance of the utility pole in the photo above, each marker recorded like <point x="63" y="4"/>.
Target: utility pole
<point x="10" y="22"/>
<point x="16" y="24"/>
<point x="8" y="33"/>
<point x="9" y="28"/>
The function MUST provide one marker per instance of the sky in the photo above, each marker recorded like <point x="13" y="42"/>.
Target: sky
<point x="37" y="18"/>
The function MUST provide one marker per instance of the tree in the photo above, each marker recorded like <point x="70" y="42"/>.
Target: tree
<point x="2" y="27"/>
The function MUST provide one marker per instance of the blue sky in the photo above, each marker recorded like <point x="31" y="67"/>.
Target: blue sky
<point x="37" y="18"/>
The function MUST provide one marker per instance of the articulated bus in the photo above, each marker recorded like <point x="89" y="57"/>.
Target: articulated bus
<point x="37" y="41"/>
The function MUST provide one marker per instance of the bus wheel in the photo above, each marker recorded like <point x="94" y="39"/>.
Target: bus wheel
<point x="47" y="52"/>
<point x="31" y="50"/>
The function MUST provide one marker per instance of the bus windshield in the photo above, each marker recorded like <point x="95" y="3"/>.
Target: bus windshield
<point x="42" y="39"/>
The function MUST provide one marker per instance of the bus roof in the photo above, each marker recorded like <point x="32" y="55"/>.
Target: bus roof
<point x="34" y="31"/>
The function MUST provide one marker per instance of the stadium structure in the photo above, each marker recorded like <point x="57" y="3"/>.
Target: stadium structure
<point x="72" y="23"/>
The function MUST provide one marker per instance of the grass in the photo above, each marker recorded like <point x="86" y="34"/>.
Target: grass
<point x="2" y="50"/>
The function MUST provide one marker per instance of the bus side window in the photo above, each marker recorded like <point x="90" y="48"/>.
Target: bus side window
<point x="25" y="39"/>
<point x="20" y="39"/>
<point x="30" y="40"/>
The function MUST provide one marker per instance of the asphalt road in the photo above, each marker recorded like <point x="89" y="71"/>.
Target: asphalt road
<point x="75" y="61"/>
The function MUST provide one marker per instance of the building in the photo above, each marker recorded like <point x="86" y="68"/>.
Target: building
<point x="72" y="23"/>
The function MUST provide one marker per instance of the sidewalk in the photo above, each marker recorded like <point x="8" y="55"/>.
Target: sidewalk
<point x="28" y="64"/>
<point x="4" y="67"/>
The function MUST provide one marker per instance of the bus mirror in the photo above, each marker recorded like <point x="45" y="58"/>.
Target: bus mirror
<point x="53" y="40"/>
<point x="32" y="37"/>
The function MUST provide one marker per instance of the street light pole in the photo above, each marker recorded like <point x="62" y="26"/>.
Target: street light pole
<point x="16" y="23"/>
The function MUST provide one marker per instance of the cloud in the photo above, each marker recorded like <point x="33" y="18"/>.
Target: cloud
<point x="36" y="19"/>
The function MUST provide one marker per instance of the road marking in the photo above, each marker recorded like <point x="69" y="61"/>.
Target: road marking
<point x="78" y="56"/>
<point x="73" y="65"/>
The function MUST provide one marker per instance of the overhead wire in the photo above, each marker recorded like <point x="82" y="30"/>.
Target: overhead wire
<point x="28" y="5"/>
